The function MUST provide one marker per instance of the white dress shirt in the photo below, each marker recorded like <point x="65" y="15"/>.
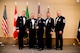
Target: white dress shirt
<point x="47" y="21"/>
<point x="57" y="19"/>
<point x="24" y="20"/>
<point x="33" y="21"/>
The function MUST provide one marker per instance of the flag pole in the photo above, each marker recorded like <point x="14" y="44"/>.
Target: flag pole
<point x="14" y="43"/>
<point x="27" y="17"/>
<point x="48" y="9"/>
<point x="38" y="7"/>
<point x="4" y="36"/>
<point x="26" y="8"/>
<point x="37" y="23"/>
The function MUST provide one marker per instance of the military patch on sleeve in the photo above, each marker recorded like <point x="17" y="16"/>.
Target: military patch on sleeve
<point x="64" y="21"/>
<point x="79" y="29"/>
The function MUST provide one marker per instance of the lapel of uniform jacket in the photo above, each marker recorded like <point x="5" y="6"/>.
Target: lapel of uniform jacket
<point x="21" y="20"/>
<point x="49" y="21"/>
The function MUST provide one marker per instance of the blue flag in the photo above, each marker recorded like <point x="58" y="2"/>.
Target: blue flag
<point x="78" y="36"/>
<point x="38" y="8"/>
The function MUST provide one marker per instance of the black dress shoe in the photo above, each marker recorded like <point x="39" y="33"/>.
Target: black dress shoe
<point x="61" y="49"/>
<point x="49" y="48"/>
<point x="20" y="48"/>
<point x="57" y="48"/>
<point x="30" y="47"/>
<point x="40" y="49"/>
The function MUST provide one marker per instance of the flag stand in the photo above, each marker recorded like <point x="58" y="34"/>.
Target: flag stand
<point x="78" y="41"/>
<point x="1" y="43"/>
<point x="14" y="43"/>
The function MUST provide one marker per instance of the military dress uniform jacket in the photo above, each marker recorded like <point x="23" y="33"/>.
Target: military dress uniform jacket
<point x="40" y="23"/>
<point x="20" y="25"/>
<point x="29" y="25"/>
<point x="60" y="23"/>
<point x="50" y="24"/>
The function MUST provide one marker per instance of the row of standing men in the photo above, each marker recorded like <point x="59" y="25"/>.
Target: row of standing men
<point x="30" y="26"/>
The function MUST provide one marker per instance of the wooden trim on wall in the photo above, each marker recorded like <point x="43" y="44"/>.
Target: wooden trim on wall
<point x="66" y="41"/>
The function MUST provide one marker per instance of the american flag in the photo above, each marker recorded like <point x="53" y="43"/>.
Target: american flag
<point x="5" y="23"/>
<point x="15" y="33"/>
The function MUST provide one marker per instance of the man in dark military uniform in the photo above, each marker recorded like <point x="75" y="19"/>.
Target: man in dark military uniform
<point x="59" y="26"/>
<point x="32" y="31"/>
<point x="21" y="28"/>
<point x="40" y="31"/>
<point x="49" y="29"/>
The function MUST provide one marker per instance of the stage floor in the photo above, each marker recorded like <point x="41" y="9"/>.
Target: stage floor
<point x="14" y="49"/>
